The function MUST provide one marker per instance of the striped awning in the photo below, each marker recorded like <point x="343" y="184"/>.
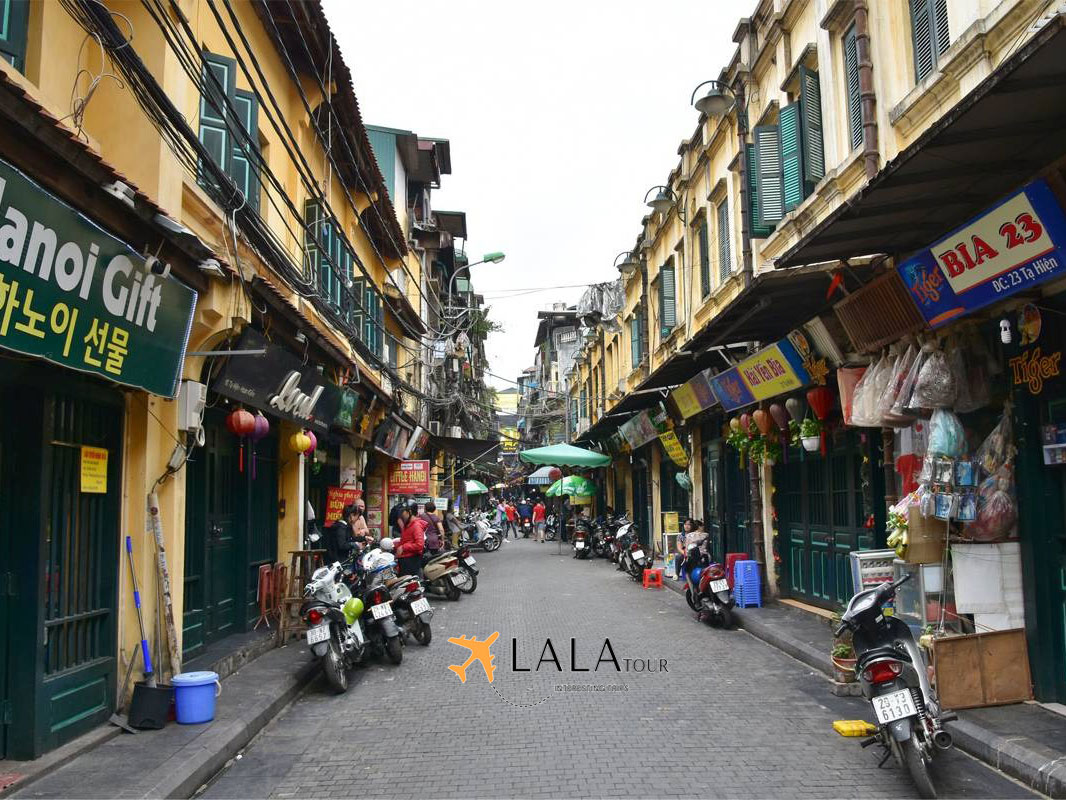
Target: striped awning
<point x="541" y="477"/>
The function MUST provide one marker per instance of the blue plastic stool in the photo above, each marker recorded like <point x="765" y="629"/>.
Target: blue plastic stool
<point x="747" y="586"/>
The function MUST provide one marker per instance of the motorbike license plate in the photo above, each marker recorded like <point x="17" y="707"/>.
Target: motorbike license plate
<point x="720" y="585"/>
<point x="579" y="545"/>
<point x="897" y="705"/>
<point x="457" y="579"/>
<point x="470" y="561"/>
<point x="319" y="633"/>
<point x="638" y="554"/>
<point x="381" y="610"/>
<point x="420" y="606"/>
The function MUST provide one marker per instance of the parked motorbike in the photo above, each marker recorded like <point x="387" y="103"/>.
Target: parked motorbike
<point x="707" y="591"/>
<point x="551" y="528"/>
<point x="633" y="558"/>
<point x="380" y="627"/>
<point x="478" y="532"/>
<point x="443" y="576"/>
<point x="616" y="534"/>
<point x="412" y="609"/>
<point x="334" y="628"/>
<point x="892" y="673"/>
<point x="600" y="543"/>
<point x="582" y="543"/>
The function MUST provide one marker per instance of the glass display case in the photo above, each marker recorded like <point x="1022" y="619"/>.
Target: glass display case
<point x="920" y="601"/>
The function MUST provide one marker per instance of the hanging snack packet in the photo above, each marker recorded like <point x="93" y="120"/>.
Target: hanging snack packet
<point x="936" y="386"/>
<point x="998" y="447"/>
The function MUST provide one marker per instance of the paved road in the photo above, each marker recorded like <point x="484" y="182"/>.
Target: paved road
<point x="729" y="717"/>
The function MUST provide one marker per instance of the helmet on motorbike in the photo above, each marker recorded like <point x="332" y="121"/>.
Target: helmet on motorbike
<point x="386" y="545"/>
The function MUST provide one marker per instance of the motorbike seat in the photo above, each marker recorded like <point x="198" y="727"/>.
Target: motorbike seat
<point x="880" y="652"/>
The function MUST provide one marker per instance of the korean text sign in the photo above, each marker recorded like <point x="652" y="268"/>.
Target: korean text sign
<point x="409" y="477"/>
<point x="79" y="297"/>
<point x="1014" y="246"/>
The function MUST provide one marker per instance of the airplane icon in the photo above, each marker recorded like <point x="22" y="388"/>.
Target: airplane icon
<point x="479" y="651"/>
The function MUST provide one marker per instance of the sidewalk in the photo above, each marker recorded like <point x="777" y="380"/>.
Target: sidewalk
<point x="1025" y="740"/>
<point x="177" y="760"/>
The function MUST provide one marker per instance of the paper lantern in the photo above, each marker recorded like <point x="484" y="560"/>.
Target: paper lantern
<point x="821" y="400"/>
<point x="555" y="474"/>
<point x="299" y="442"/>
<point x="796" y="408"/>
<point x="314" y="442"/>
<point x="734" y="424"/>
<point x="240" y="422"/>
<point x="261" y="429"/>
<point x="780" y="416"/>
<point x="762" y="421"/>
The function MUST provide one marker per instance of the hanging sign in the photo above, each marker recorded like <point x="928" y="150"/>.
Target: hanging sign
<point x="509" y="439"/>
<point x="1016" y="245"/>
<point x="694" y="396"/>
<point x="94" y="470"/>
<point x="774" y="370"/>
<point x="639" y="430"/>
<point x="337" y="497"/>
<point x="409" y="477"/>
<point x="78" y="297"/>
<point x="672" y="445"/>
<point x="279" y="383"/>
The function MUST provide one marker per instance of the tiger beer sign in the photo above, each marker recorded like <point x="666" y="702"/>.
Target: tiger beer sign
<point x="1015" y="246"/>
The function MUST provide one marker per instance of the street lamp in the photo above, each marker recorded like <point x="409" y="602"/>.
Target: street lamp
<point x="629" y="264"/>
<point x="663" y="200"/>
<point x="719" y="100"/>
<point x="488" y="258"/>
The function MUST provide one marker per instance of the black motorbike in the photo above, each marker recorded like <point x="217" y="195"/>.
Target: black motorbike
<point x="379" y="618"/>
<point x="582" y="540"/>
<point x="551" y="528"/>
<point x="892" y="672"/>
<point x="411" y="607"/>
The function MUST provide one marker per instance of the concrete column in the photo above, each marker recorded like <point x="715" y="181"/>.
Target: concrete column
<point x="767" y="483"/>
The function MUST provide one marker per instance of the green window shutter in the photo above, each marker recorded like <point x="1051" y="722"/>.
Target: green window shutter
<point x="940" y="20"/>
<point x="14" y="21"/>
<point x="854" y="97"/>
<point x="312" y="254"/>
<point x="725" y="259"/>
<point x="368" y="322"/>
<point x="357" y="317"/>
<point x="379" y="311"/>
<point x="667" y="300"/>
<point x="791" y="156"/>
<point x="394" y="348"/>
<point x="217" y="98"/>
<point x="930" y="35"/>
<point x="811" y="121"/>
<point x="705" y="261"/>
<point x="244" y="162"/>
<point x="768" y="177"/>
<point x="634" y="341"/>
<point x="758" y="230"/>
<point x="326" y="278"/>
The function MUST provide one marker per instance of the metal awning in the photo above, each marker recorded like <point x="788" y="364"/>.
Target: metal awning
<point x="481" y="450"/>
<point x="996" y="137"/>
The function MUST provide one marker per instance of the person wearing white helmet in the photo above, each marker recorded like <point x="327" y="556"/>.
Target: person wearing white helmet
<point x="387" y="545"/>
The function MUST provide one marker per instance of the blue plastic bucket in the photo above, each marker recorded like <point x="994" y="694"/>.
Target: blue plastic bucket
<point x="194" y="696"/>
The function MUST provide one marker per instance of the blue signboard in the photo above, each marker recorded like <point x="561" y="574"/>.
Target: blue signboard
<point x="1014" y="246"/>
<point x="731" y="390"/>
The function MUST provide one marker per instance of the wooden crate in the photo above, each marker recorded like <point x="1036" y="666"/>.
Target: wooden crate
<point x="926" y="538"/>
<point x="982" y="669"/>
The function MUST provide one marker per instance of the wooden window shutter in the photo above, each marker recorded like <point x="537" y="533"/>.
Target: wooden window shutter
<point x="667" y="300"/>
<point x="634" y="341"/>
<point x="922" y="37"/>
<point x="216" y="102"/>
<point x="705" y="260"/>
<point x="379" y="313"/>
<point x="854" y="97"/>
<point x="758" y="230"/>
<point x="312" y="254"/>
<point x="356" y="317"/>
<point x="725" y="259"/>
<point x="768" y="178"/>
<point x="244" y="160"/>
<point x="810" y="103"/>
<point x="940" y="20"/>
<point x="14" y="21"/>
<point x="792" y="187"/>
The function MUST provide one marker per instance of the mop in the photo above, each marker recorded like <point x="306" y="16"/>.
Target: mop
<point x="149" y="675"/>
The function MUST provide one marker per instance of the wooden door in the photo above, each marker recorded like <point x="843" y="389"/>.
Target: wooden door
<point x="713" y="505"/>
<point x="737" y="514"/>
<point x="7" y="575"/>
<point x="641" y="504"/>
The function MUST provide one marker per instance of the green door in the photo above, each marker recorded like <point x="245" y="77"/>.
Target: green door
<point x="641" y="503"/>
<point x="737" y="514"/>
<point x="7" y="575"/>
<point x="713" y="507"/>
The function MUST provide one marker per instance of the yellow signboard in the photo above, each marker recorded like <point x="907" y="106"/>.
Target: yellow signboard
<point x="673" y="448"/>
<point x="671" y="524"/>
<point x="509" y="439"/>
<point x="768" y="373"/>
<point x="94" y="470"/>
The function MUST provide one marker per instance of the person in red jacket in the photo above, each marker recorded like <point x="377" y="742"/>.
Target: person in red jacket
<point x="412" y="542"/>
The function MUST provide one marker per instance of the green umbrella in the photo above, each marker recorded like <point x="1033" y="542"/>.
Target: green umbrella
<point x="573" y="485"/>
<point x="566" y="455"/>
<point x="476" y="487"/>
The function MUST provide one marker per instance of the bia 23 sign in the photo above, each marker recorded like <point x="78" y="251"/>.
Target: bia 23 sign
<point x="72" y="294"/>
<point x="1015" y="246"/>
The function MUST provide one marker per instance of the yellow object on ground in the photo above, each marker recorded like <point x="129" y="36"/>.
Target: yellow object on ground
<point x="854" y="727"/>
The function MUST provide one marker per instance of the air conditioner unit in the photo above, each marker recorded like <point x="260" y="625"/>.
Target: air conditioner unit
<point x="434" y="427"/>
<point x="456" y="431"/>
<point x="622" y="386"/>
<point x="399" y="279"/>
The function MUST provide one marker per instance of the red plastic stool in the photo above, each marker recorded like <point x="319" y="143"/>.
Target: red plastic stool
<point x="730" y="560"/>
<point x="653" y="578"/>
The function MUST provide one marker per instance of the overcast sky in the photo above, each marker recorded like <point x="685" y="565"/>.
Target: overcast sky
<point x="560" y="116"/>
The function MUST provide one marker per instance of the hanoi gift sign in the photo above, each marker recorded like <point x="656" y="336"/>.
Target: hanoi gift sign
<point x="409" y="477"/>
<point x="79" y="297"/>
<point x="1015" y="246"/>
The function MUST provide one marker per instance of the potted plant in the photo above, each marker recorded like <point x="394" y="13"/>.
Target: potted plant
<point x="810" y="434"/>
<point x="842" y="654"/>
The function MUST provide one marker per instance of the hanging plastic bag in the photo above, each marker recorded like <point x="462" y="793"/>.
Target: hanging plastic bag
<point x="997" y="510"/>
<point x="894" y="389"/>
<point x="974" y="392"/>
<point x="998" y="447"/>
<point x="901" y="408"/>
<point x="864" y="401"/>
<point x="936" y="386"/>
<point x="946" y="435"/>
<point x="848" y="379"/>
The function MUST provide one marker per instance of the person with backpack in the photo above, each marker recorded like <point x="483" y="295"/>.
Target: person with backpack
<point x="341" y="538"/>
<point x="434" y="528"/>
<point x="412" y="542"/>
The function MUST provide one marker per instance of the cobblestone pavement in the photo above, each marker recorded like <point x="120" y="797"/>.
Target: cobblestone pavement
<point x="728" y="717"/>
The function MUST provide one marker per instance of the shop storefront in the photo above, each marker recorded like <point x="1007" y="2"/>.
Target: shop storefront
<point x="81" y="313"/>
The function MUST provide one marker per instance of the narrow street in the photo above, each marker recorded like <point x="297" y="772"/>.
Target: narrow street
<point x="730" y="716"/>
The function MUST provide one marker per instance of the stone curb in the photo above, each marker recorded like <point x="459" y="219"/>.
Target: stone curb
<point x="1020" y="757"/>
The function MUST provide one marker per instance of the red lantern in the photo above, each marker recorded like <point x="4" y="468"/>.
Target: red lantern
<point x="762" y="421"/>
<point x="555" y="474"/>
<point x="745" y="422"/>
<point x="240" y="423"/>
<point x="821" y="401"/>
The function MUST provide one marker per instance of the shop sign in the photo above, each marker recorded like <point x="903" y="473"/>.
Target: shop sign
<point x="1032" y="368"/>
<point x="509" y="440"/>
<point x="279" y="383"/>
<point x="1016" y="245"/>
<point x="774" y="370"/>
<point x="337" y="497"/>
<point x="731" y="390"/>
<point x="409" y="477"/>
<point x="639" y="430"/>
<point x="93" y="470"/>
<point x="417" y="442"/>
<point x="672" y="445"/>
<point x="694" y="396"/>
<point x="671" y="522"/>
<point x="78" y="297"/>
<point x="347" y="403"/>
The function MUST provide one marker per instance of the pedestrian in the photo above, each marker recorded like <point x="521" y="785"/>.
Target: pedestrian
<point x="539" y="515"/>
<point x="359" y="527"/>
<point x="412" y="541"/>
<point x="434" y="528"/>
<point x="510" y="512"/>
<point x="340" y="538"/>
<point x="501" y="514"/>
<point x="395" y="527"/>
<point x="454" y="528"/>
<point x="692" y="536"/>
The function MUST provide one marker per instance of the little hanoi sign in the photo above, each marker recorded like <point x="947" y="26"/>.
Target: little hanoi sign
<point x="409" y="477"/>
<point x="1015" y="246"/>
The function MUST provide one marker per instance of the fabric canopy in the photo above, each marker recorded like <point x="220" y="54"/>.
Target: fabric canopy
<point x="566" y="455"/>
<point x="542" y="476"/>
<point x="476" y="487"/>
<point x="573" y="485"/>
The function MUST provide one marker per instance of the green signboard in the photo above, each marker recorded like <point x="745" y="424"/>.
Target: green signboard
<point x="81" y="298"/>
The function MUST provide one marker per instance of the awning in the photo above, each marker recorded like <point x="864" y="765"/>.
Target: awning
<point x="481" y="450"/>
<point x="996" y="137"/>
<point x="565" y="454"/>
<point x="542" y="476"/>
